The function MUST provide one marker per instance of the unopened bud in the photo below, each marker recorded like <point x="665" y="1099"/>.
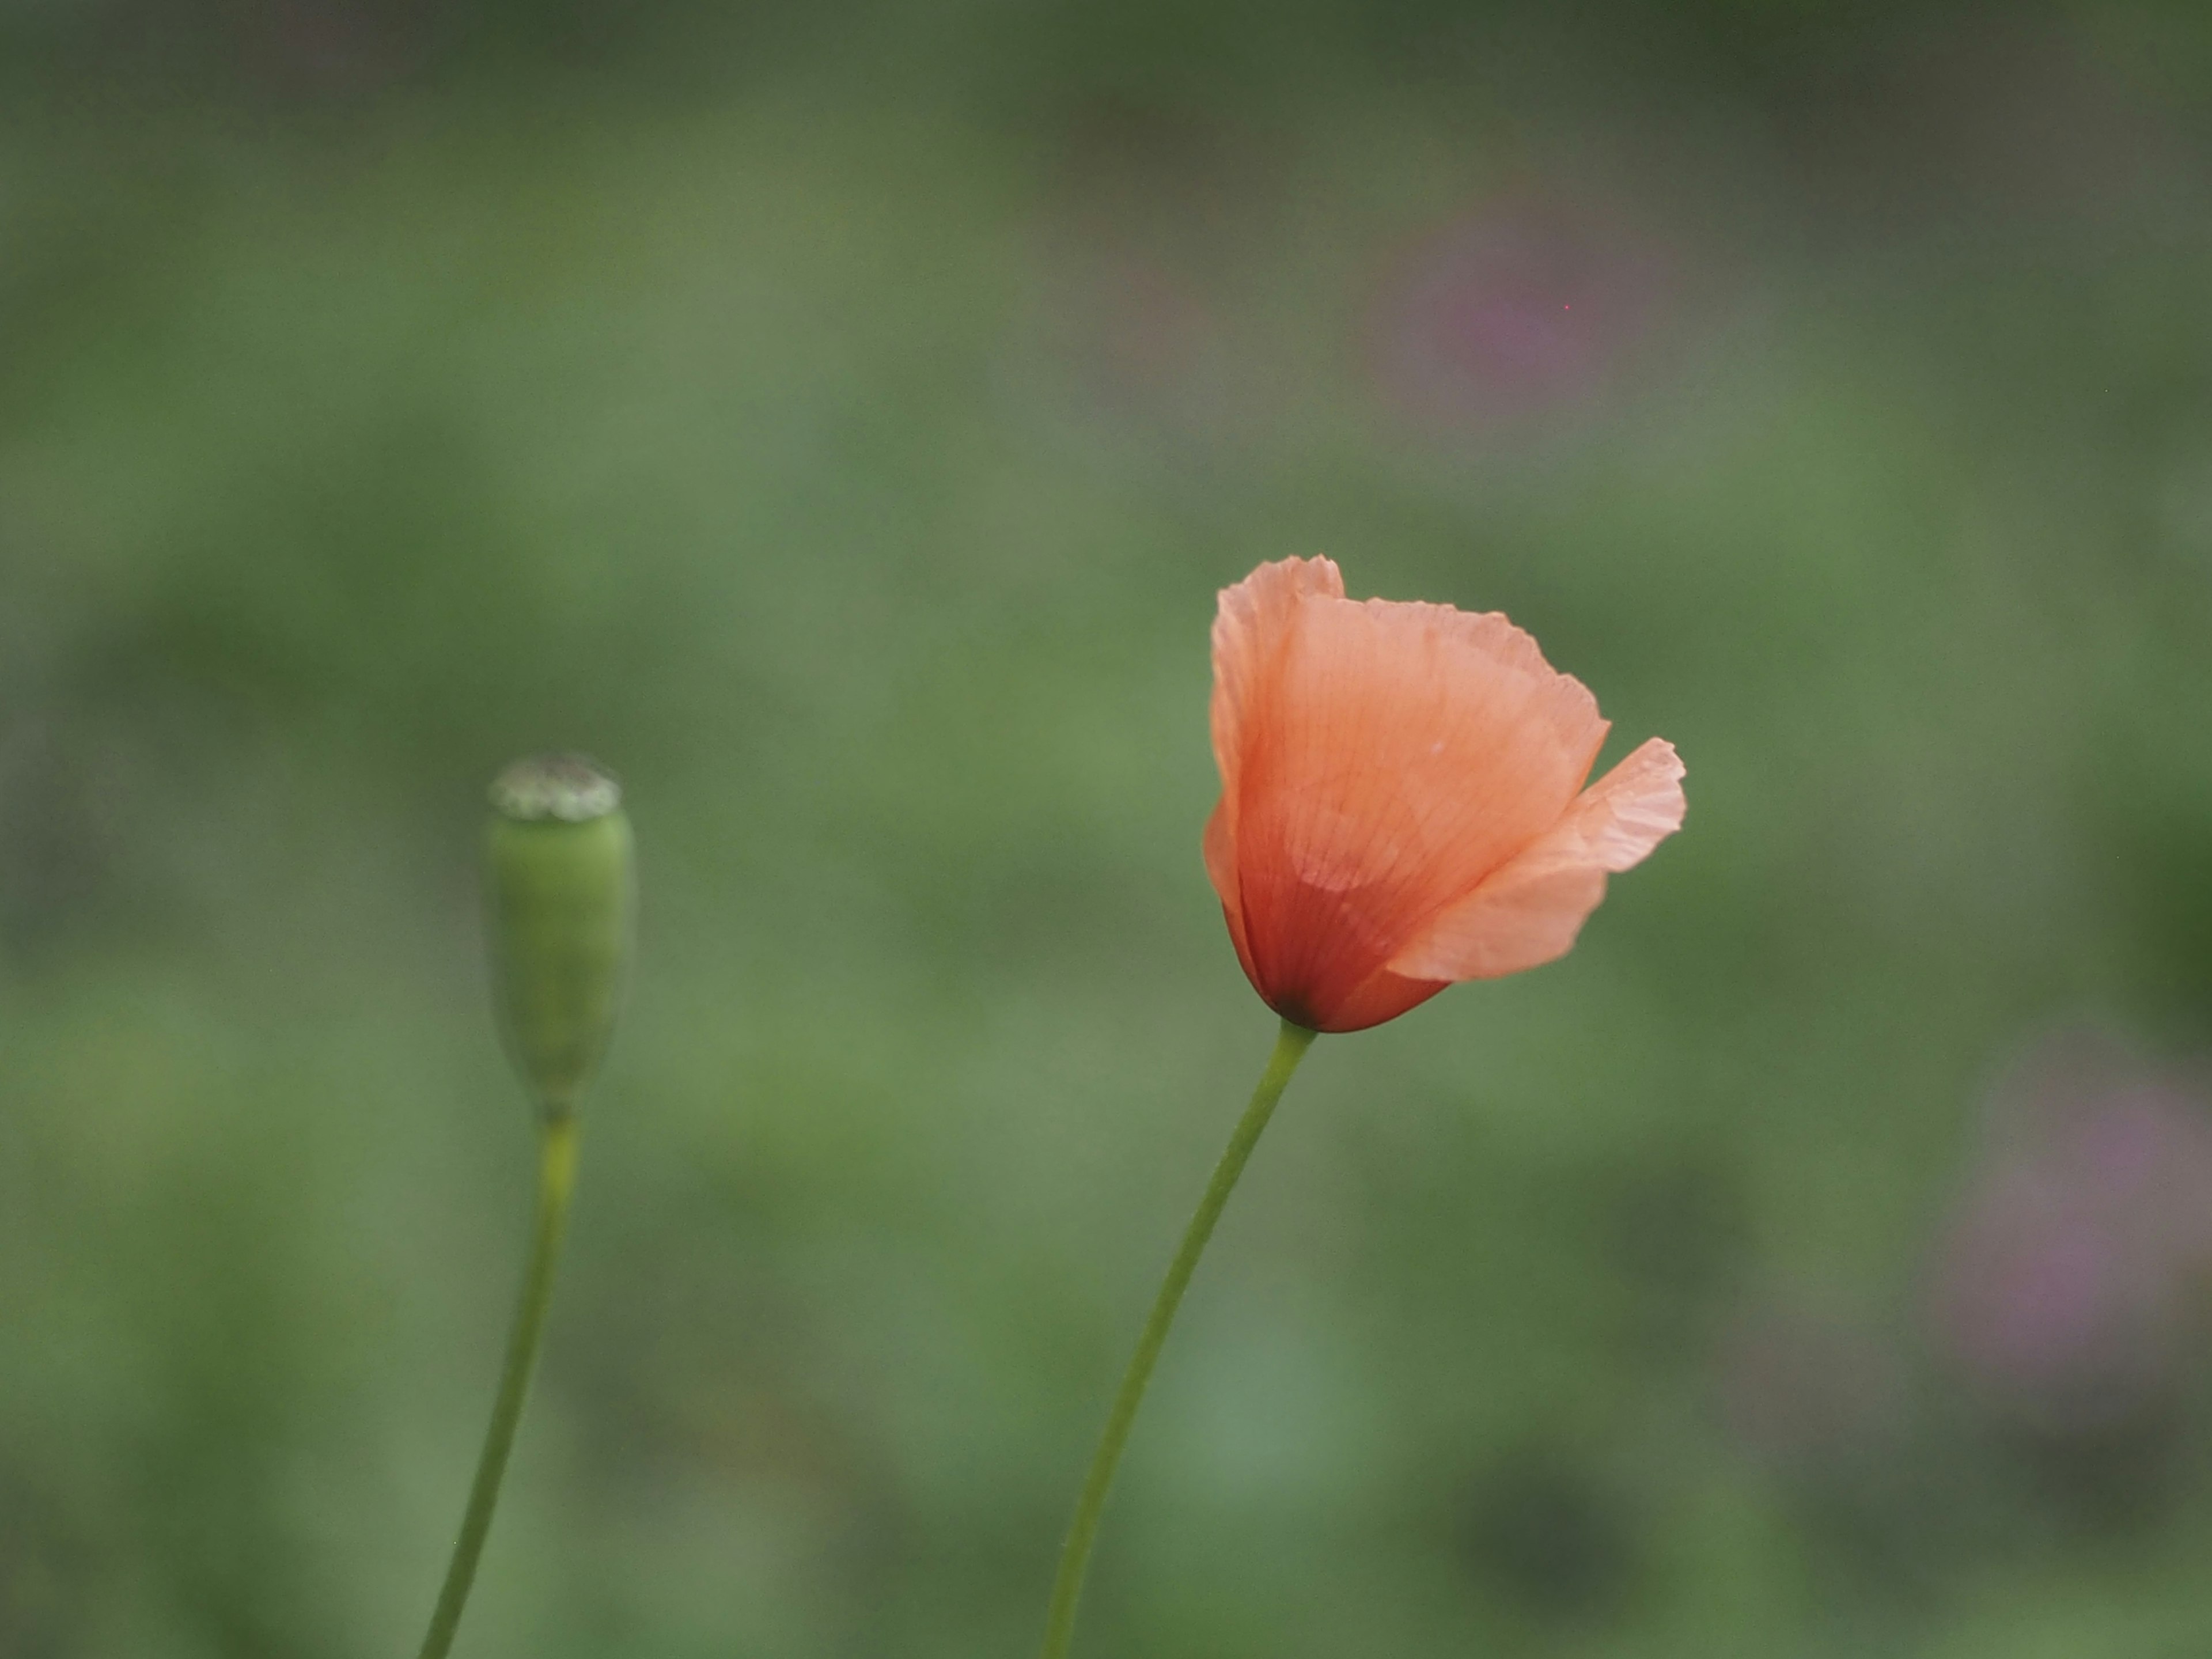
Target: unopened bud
<point x="561" y="895"/>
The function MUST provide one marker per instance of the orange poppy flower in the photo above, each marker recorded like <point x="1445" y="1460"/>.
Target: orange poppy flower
<point x="1401" y="798"/>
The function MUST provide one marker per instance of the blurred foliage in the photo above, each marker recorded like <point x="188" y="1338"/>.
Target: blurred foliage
<point x="840" y="424"/>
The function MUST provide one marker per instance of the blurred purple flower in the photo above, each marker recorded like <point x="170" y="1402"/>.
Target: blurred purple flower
<point x="1514" y="310"/>
<point x="2066" y="1287"/>
<point x="316" y="48"/>
<point x="1131" y="333"/>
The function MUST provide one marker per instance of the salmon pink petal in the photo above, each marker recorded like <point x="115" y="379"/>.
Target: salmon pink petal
<point x="1252" y="621"/>
<point x="1528" y="911"/>
<point x="1250" y="625"/>
<point x="1221" y="869"/>
<point x="1380" y="760"/>
<point x="1382" y="996"/>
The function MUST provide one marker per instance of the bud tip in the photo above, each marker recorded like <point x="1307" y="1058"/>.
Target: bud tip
<point x="569" y="788"/>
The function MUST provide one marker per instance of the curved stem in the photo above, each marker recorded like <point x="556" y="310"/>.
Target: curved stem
<point x="1075" y="1555"/>
<point x="556" y="1179"/>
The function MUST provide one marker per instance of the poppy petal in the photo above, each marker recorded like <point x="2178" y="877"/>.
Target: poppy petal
<point x="1528" y="911"/>
<point x="1251" y="622"/>
<point x="1220" y="847"/>
<point x="1406" y="751"/>
<point x="1382" y="996"/>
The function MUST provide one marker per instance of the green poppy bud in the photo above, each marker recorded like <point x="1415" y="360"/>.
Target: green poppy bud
<point x="561" y="896"/>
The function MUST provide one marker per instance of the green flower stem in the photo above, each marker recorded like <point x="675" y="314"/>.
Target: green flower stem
<point x="557" y="1180"/>
<point x="1075" y="1555"/>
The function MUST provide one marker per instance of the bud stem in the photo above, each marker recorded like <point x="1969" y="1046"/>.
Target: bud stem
<point x="557" y="1180"/>
<point x="1291" y="1046"/>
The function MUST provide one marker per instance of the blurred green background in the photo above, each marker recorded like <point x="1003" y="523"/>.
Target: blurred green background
<point x="839" y="421"/>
